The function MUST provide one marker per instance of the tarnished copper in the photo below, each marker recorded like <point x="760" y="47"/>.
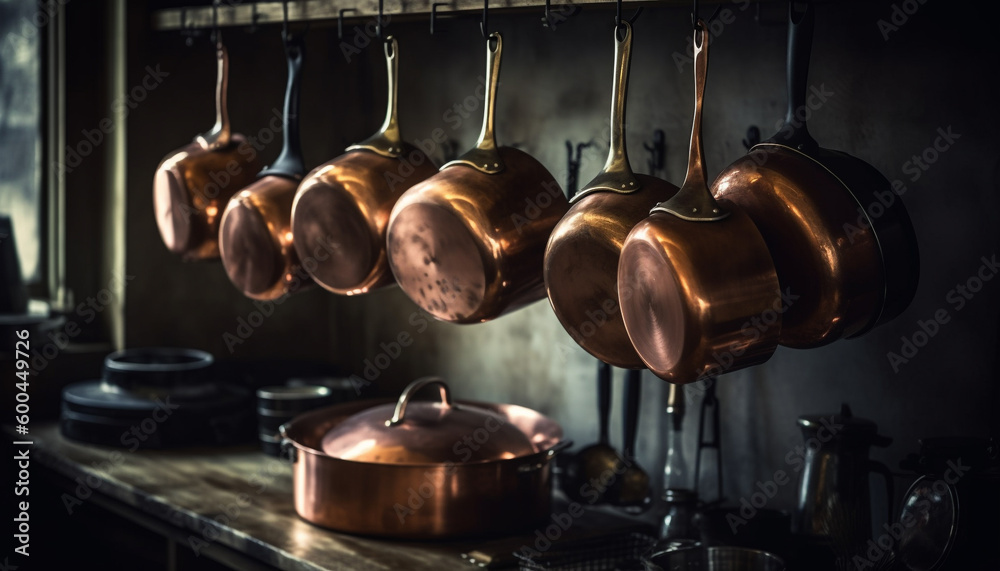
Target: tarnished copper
<point x="581" y="258"/>
<point x="455" y="495"/>
<point x="255" y="239"/>
<point x="342" y="207"/>
<point x="467" y="245"/>
<point x="698" y="290"/>
<point x="192" y="184"/>
<point x="843" y="269"/>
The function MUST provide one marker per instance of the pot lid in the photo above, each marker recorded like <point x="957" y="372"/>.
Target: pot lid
<point x="844" y="425"/>
<point x="426" y="432"/>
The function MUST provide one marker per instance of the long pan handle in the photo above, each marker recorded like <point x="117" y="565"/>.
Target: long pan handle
<point x="387" y="141"/>
<point x="617" y="175"/>
<point x="794" y="132"/>
<point x="289" y="163"/>
<point x="485" y="157"/>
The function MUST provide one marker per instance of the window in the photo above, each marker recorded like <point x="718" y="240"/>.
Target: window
<point x="20" y="129"/>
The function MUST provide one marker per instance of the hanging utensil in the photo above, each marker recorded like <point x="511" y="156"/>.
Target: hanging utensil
<point x="256" y="238"/>
<point x="847" y="258"/>
<point x="467" y="244"/>
<point x="597" y="461"/>
<point x="342" y="207"/>
<point x="193" y="183"/>
<point x="581" y="258"/>
<point x="635" y="494"/>
<point x="700" y="272"/>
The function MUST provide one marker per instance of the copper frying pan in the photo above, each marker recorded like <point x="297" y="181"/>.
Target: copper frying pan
<point x="342" y="207"/>
<point x="467" y="244"/>
<point x="256" y="238"/>
<point x="695" y="274"/>
<point x="581" y="259"/>
<point x="846" y="270"/>
<point x="193" y="183"/>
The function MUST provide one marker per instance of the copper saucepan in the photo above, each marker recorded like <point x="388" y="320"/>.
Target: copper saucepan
<point x="700" y="275"/>
<point x="256" y="236"/>
<point x="847" y="261"/>
<point x="342" y="207"/>
<point x="192" y="184"/>
<point x="423" y="470"/>
<point x="581" y="259"/>
<point x="467" y="245"/>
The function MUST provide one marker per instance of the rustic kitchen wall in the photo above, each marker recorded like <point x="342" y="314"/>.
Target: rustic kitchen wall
<point x="914" y="98"/>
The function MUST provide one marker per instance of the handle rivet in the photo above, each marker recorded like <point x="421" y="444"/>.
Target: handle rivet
<point x="694" y="210"/>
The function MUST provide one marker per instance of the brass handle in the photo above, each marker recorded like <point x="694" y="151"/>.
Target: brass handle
<point x="388" y="141"/>
<point x="221" y="133"/>
<point x="411" y="389"/>
<point x="694" y="201"/>
<point x="484" y="157"/>
<point x="617" y="175"/>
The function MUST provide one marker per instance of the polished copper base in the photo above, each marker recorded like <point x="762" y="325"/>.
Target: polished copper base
<point x="256" y="242"/>
<point x="190" y="190"/>
<point x="467" y="246"/>
<point x="581" y="267"/>
<point x="341" y="212"/>
<point x="699" y="298"/>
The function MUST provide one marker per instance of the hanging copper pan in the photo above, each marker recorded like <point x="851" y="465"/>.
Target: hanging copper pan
<point x="192" y="184"/>
<point x="698" y="275"/>
<point x="342" y="207"/>
<point x="256" y="237"/>
<point x="581" y="259"/>
<point x="467" y="244"/>
<point x="846" y="260"/>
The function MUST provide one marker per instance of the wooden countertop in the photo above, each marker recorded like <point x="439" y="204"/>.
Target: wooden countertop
<point x="241" y="499"/>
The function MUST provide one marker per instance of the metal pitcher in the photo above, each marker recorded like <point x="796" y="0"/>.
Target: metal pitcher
<point x="834" y="500"/>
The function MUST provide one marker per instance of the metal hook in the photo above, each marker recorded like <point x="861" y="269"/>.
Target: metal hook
<point x="618" y="16"/>
<point x="484" y="23"/>
<point x="254" y="18"/>
<point x="657" y="151"/>
<point x="753" y="137"/>
<point x="340" y="21"/>
<point x="434" y="8"/>
<point x="378" y="23"/>
<point x="284" y="19"/>
<point x="573" y="165"/>
<point x="216" y="36"/>
<point x="189" y="33"/>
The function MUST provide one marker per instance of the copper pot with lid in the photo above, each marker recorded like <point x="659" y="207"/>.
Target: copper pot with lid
<point x="467" y="245"/>
<point x="192" y="184"/>
<point x="423" y="469"/>
<point x="581" y="258"/>
<point x="342" y="207"/>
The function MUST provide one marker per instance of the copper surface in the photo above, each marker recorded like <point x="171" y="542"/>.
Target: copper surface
<point x="695" y="278"/>
<point x="256" y="240"/>
<point x="424" y="500"/>
<point x="467" y="245"/>
<point x="800" y="209"/>
<point x="581" y="258"/>
<point x="424" y="432"/>
<point x="192" y="184"/>
<point x="342" y="208"/>
<point x="341" y="212"/>
<point x="699" y="299"/>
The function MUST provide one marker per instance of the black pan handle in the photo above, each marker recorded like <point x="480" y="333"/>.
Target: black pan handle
<point x="289" y="163"/>
<point x="633" y="392"/>
<point x="794" y="132"/>
<point x="604" y="398"/>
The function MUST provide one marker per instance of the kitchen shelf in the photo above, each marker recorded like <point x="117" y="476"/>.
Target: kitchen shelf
<point x="249" y="14"/>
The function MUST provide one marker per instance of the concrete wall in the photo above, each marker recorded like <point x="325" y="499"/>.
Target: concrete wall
<point x="889" y="99"/>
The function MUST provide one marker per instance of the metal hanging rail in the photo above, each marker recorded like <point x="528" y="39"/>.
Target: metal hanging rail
<point x="251" y="14"/>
